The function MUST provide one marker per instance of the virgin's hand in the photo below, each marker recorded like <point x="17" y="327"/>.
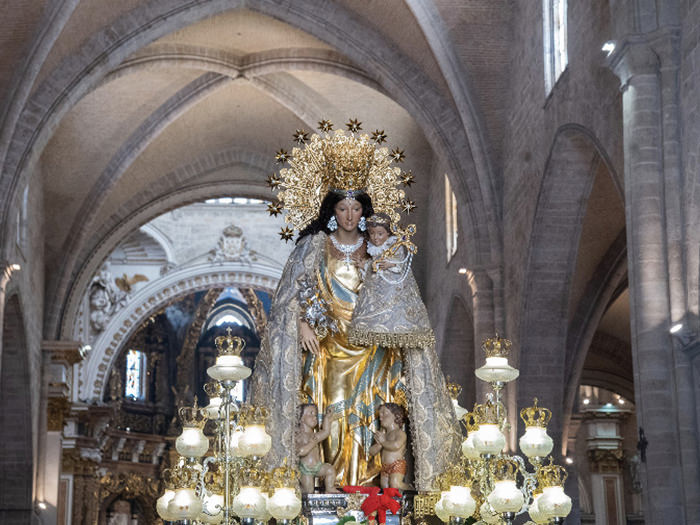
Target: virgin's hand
<point x="309" y="341"/>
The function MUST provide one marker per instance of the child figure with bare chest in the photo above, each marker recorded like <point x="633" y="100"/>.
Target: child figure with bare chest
<point x="391" y="442"/>
<point x="309" y="449"/>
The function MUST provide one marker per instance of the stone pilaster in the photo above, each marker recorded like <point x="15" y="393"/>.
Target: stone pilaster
<point x="660" y="370"/>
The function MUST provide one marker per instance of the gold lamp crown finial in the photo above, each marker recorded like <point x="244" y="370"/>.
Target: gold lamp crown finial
<point x="192" y="416"/>
<point x="551" y="475"/>
<point x="505" y="468"/>
<point x="496" y="346"/>
<point x="453" y="389"/>
<point x="535" y="416"/>
<point x="229" y="344"/>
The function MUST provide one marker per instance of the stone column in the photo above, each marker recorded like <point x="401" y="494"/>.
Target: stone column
<point x="59" y="358"/>
<point x="660" y="371"/>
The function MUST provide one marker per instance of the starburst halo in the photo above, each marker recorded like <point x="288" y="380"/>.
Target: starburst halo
<point x="339" y="160"/>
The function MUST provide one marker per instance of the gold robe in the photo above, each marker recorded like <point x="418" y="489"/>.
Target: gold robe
<point x="352" y="380"/>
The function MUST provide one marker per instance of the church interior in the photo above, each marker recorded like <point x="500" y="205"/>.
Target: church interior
<point x="552" y="146"/>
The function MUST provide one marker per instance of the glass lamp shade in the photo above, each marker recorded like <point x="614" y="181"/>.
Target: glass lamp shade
<point x="536" y="515"/>
<point x="212" y="509"/>
<point x="162" y="505"/>
<point x="489" y="439"/>
<point x="488" y="515"/>
<point x="554" y="503"/>
<point x="266" y="516"/>
<point x="496" y="370"/>
<point x="228" y="368"/>
<point x="469" y="451"/>
<point x="234" y="444"/>
<point x="459" y="502"/>
<point x="254" y="441"/>
<point x="440" y="511"/>
<point x="185" y="505"/>
<point x="536" y="442"/>
<point x="249" y="503"/>
<point x="192" y="443"/>
<point x="284" y="504"/>
<point x="212" y="409"/>
<point x="506" y="497"/>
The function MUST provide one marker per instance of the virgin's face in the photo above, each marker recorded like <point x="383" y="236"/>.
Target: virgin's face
<point x="348" y="213"/>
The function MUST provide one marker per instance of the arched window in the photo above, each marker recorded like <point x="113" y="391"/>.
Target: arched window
<point x="556" y="56"/>
<point x="135" y="384"/>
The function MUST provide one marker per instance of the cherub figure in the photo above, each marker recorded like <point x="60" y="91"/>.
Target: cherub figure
<point x="309" y="449"/>
<point x="391" y="442"/>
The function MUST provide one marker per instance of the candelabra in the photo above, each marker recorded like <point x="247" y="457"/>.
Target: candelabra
<point x="490" y="485"/>
<point x="219" y="485"/>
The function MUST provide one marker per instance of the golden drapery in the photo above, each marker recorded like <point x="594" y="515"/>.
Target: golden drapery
<point x="352" y="380"/>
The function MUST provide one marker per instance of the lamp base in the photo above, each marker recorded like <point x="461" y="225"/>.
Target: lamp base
<point x="327" y="509"/>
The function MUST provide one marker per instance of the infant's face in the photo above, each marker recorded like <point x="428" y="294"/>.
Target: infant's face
<point x="378" y="235"/>
<point x="310" y="416"/>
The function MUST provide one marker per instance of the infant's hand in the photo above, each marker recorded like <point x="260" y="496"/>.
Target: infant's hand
<point x="383" y="264"/>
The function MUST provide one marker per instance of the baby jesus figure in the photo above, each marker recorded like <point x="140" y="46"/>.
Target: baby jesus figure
<point x="309" y="449"/>
<point x="391" y="442"/>
<point x="389" y="309"/>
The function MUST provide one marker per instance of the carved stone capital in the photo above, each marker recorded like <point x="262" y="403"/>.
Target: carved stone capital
<point x="57" y="410"/>
<point x="606" y="461"/>
<point x="68" y="352"/>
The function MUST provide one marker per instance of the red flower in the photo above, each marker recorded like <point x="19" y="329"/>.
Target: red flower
<point x="376" y="504"/>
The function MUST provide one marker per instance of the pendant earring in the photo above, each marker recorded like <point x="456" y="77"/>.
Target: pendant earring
<point x="362" y="225"/>
<point x="332" y="224"/>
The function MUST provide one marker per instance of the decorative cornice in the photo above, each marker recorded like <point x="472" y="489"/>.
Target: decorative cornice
<point x="69" y="352"/>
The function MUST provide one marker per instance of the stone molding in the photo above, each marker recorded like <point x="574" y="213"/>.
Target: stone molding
<point x="94" y="372"/>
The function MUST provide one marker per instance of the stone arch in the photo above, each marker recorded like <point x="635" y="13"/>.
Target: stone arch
<point x="397" y="74"/>
<point x="566" y="185"/>
<point x="457" y="355"/>
<point x="16" y="456"/>
<point x="141" y="209"/>
<point x="178" y="283"/>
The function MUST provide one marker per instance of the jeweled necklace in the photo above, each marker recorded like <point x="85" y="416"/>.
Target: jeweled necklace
<point x="347" y="249"/>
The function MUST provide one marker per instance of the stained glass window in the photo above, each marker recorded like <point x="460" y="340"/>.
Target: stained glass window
<point x="556" y="55"/>
<point x="135" y="376"/>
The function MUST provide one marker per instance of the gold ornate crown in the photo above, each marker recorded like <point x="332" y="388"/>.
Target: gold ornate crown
<point x="453" y="389"/>
<point x="213" y="389"/>
<point x="535" y="416"/>
<point x="487" y="413"/>
<point x="253" y="414"/>
<point x="471" y="420"/>
<point x="192" y="416"/>
<point x="496" y="346"/>
<point x="180" y="477"/>
<point x="341" y="161"/>
<point x="284" y="476"/>
<point x="229" y="344"/>
<point x="505" y="468"/>
<point x="551" y="476"/>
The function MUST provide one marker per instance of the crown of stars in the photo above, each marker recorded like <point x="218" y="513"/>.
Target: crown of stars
<point x="286" y="233"/>
<point x="325" y="125"/>
<point x="274" y="208"/>
<point x="407" y="179"/>
<point x="398" y="154"/>
<point x="273" y="181"/>
<point x="300" y="136"/>
<point x="354" y="125"/>
<point x="408" y="205"/>
<point x="378" y="136"/>
<point x="282" y="156"/>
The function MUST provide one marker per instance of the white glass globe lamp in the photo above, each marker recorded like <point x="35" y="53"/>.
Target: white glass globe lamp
<point x="469" y="451"/>
<point x="254" y="441"/>
<point x="497" y="370"/>
<point x="249" y="503"/>
<point x="162" y="505"/>
<point x="459" y="502"/>
<point x="212" y="509"/>
<point x="536" y="515"/>
<point x="536" y="443"/>
<point x="229" y="366"/>
<point x="488" y="515"/>
<point x="234" y="444"/>
<point x="506" y="497"/>
<point x="489" y="439"/>
<point x="554" y="503"/>
<point x="284" y="504"/>
<point x="440" y="511"/>
<point x="185" y="505"/>
<point x="192" y="443"/>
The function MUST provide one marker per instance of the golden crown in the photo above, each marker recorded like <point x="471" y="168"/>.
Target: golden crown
<point x="284" y="476"/>
<point x="213" y="389"/>
<point x="229" y="344"/>
<point x="180" y="477"/>
<point x="551" y="476"/>
<point x="341" y="161"/>
<point x="455" y="474"/>
<point x="192" y="416"/>
<point x="487" y="413"/>
<point x="252" y="415"/>
<point x="505" y="468"/>
<point x="535" y="416"/>
<point x="453" y="389"/>
<point x="496" y="347"/>
<point x="471" y="421"/>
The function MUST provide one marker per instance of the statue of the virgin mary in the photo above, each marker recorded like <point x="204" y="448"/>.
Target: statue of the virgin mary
<point x="334" y="182"/>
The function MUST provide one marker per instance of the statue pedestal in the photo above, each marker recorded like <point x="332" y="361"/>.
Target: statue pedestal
<point x="327" y="509"/>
